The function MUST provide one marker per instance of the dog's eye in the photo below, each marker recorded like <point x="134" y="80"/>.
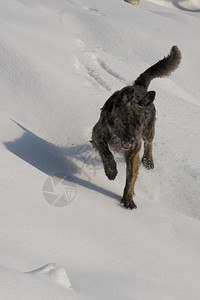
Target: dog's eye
<point x="125" y="122"/>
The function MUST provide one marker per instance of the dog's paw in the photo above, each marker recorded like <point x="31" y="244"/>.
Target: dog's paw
<point x="147" y="163"/>
<point x="128" y="202"/>
<point x="110" y="169"/>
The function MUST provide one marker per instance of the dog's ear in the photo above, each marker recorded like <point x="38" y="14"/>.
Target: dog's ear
<point x="147" y="99"/>
<point x="124" y="96"/>
<point x="108" y="106"/>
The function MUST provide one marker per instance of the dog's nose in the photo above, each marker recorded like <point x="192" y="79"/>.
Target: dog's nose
<point x="130" y="140"/>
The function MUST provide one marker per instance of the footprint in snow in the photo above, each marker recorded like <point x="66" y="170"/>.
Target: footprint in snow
<point x="54" y="274"/>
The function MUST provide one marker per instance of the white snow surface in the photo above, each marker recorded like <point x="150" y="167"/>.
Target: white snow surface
<point x="59" y="62"/>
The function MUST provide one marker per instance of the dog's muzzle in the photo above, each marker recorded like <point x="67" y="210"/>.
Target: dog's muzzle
<point x="126" y="145"/>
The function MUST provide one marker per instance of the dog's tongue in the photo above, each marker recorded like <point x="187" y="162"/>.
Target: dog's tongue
<point x="126" y="145"/>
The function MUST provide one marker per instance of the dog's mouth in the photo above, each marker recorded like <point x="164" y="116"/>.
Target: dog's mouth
<point x="126" y="146"/>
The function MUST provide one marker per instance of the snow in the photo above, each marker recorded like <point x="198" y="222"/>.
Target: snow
<point x="54" y="274"/>
<point x="59" y="62"/>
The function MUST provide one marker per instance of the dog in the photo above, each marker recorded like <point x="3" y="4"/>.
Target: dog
<point x="126" y="118"/>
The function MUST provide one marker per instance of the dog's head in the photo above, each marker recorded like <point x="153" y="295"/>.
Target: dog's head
<point x="127" y="114"/>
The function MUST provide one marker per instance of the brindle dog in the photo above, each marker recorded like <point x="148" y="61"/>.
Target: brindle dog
<point x="127" y="117"/>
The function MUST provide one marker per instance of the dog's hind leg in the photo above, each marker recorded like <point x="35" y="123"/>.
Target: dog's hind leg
<point x="147" y="158"/>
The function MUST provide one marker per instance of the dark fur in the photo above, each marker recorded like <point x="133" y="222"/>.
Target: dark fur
<point x="127" y="117"/>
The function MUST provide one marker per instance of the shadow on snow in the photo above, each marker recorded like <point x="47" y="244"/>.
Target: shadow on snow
<point x="52" y="159"/>
<point x="177" y="4"/>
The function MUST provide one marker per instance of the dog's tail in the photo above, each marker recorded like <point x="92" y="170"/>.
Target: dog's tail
<point x="162" y="68"/>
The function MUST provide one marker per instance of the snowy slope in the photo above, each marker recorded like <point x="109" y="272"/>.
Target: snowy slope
<point x="59" y="62"/>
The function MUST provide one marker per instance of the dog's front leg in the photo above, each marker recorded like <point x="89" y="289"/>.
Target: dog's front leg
<point x="132" y="167"/>
<point x="107" y="158"/>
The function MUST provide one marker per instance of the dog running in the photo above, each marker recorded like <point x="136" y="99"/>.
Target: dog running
<point x="127" y="118"/>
